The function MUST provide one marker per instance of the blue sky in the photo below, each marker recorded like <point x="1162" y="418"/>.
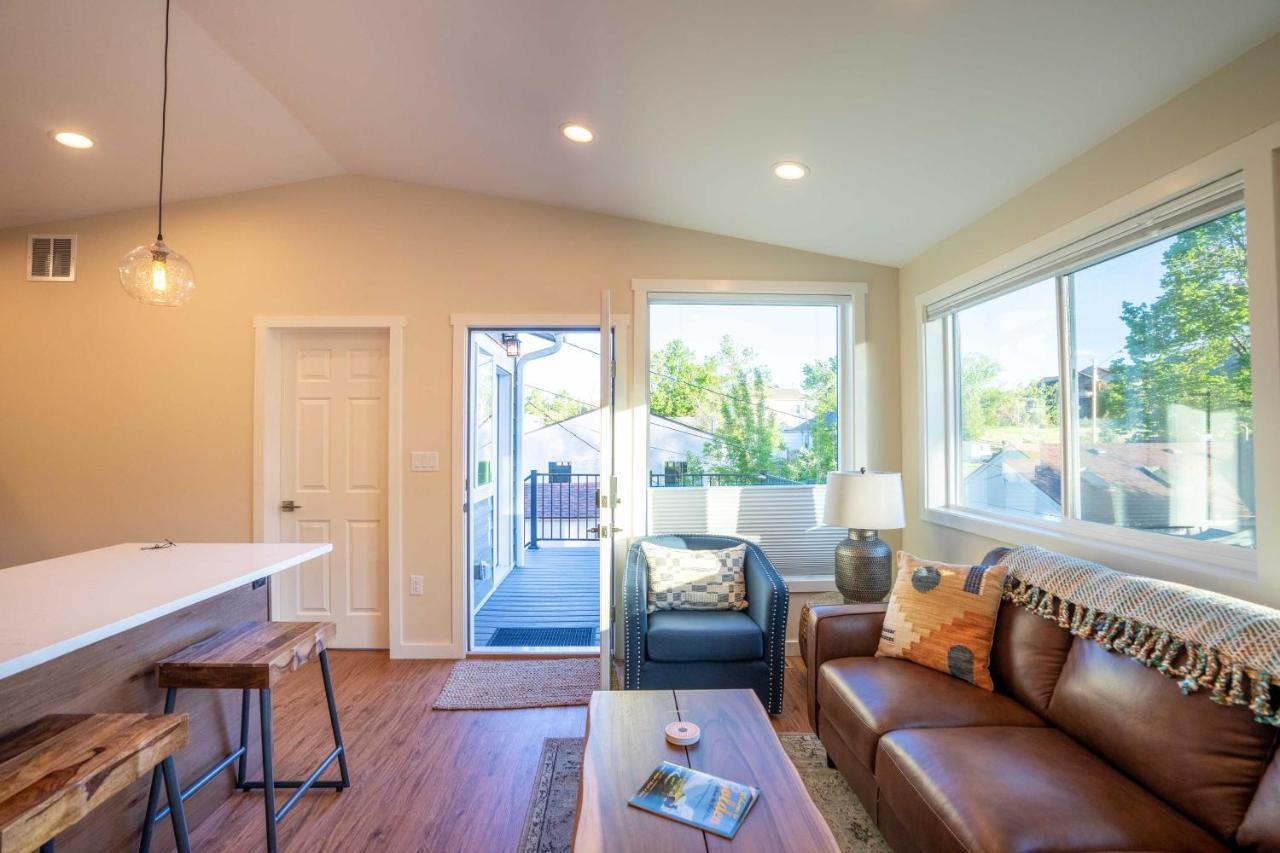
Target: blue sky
<point x="1018" y="329"/>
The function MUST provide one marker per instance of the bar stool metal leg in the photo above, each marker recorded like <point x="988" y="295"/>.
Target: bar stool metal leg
<point x="333" y="720"/>
<point x="268" y="774"/>
<point x="242" y="765"/>
<point x="177" y="814"/>
<point x="153" y="798"/>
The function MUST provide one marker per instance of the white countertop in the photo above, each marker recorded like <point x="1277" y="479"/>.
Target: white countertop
<point x="53" y="607"/>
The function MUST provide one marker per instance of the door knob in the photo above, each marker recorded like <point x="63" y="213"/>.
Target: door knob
<point x="289" y="506"/>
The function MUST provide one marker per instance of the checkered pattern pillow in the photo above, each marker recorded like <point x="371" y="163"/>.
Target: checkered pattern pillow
<point x="680" y="579"/>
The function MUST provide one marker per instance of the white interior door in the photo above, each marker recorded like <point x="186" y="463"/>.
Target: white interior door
<point x="608" y="498"/>
<point x="333" y="472"/>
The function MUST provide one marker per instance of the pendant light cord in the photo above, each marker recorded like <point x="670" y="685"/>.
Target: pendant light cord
<point x="164" y="122"/>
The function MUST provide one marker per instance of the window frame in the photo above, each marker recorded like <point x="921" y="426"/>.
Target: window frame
<point x="1121" y="227"/>
<point x="851" y="403"/>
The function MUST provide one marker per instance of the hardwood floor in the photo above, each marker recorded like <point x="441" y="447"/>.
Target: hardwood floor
<point x="423" y="780"/>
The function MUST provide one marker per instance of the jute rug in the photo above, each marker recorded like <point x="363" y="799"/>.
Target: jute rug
<point x="481" y="685"/>
<point x="548" y="823"/>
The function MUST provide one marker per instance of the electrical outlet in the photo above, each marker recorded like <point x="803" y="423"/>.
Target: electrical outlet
<point x="415" y="584"/>
<point x="424" y="460"/>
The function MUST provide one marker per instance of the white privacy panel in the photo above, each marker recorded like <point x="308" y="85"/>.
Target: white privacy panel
<point x="785" y="521"/>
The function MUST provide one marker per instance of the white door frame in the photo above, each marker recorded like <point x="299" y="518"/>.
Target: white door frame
<point x="267" y="337"/>
<point x="462" y="326"/>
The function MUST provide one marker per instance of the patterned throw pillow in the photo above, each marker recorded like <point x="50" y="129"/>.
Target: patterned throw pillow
<point x="680" y="579"/>
<point x="943" y="616"/>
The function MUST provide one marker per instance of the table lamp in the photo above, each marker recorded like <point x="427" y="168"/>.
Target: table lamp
<point x="865" y="502"/>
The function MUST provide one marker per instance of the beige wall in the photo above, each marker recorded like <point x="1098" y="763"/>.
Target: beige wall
<point x="1236" y="101"/>
<point x="124" y="422"/>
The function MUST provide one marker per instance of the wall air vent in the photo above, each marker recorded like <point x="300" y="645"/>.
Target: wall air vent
<point x="51" y="257"/>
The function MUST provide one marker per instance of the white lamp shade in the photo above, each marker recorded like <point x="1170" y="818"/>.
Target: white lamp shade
<point x="864" y="501"/>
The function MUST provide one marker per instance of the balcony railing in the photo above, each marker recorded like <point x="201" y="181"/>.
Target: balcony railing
<point x="735" y="479"/>
<point x="561" y="507"/>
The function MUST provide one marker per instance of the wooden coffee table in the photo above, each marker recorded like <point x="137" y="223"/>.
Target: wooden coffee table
<point x="625" y="743"/>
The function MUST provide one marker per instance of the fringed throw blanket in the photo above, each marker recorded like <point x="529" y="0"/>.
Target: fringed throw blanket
<point x="1201" y="638"/>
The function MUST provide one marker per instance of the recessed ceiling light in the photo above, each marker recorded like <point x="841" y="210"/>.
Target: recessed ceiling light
<point x="71" y="139"/>
<point x="577" y="132"/>
<point x="789" y="170"/>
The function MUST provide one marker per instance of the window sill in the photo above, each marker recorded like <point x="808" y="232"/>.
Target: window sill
<point x="1180" y="560"/>
<point x="810" y="583"/>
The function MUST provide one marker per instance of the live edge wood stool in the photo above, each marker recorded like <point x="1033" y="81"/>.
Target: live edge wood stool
<point x="57" y="770"/>
<point x="252" y="656"/>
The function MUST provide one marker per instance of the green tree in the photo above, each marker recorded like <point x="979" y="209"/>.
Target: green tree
<point x="552" y="408"/>
<point x="684" y="386"/>
<point x="813" y="463"/>
<point x="1190" y="347"/>
<point x="747" y="440"/>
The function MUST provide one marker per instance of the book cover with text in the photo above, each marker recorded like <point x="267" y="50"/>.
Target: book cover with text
<point x="696" y="798"/>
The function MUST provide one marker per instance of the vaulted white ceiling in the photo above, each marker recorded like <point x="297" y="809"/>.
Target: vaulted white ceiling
<point x="915" y="116"/>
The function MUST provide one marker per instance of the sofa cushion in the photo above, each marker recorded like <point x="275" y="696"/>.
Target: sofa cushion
<point x="1203" y="758"/>
<point x="867" y="697"/>
<point x="943" y="616"/>
<point x="704" y="635"/>
<point x="1027" y="655"/>
<point x="688" y="579"/>
<point x="1021" y="789"/>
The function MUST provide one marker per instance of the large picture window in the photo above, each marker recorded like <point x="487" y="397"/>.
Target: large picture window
<point x="750" y="405"/>
<point x="1108" y="384"/>
<point x="743" y="394"/>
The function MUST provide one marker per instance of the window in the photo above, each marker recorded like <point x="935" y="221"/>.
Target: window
<point x="1106" y="384"/>
<point x="752" y="386"/>
<point x="750" y="405"/>
<point x="1163" y="393"/>
<point x="1010" y="432"/>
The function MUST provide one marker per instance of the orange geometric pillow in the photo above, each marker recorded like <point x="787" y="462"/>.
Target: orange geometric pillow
<point x="943" y="616"/>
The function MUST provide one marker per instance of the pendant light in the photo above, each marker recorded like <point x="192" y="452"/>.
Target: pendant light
<point x="155" y="274"/>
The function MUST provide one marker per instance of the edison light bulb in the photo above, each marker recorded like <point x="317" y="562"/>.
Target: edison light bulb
<point x="158" y="282"/>
<point x="157" y="275"/>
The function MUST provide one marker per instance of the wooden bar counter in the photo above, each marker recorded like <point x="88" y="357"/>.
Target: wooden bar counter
<point x="82" y="634"/>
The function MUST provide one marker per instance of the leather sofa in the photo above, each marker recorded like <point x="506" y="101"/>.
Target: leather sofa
<point x="1078" y="748"/>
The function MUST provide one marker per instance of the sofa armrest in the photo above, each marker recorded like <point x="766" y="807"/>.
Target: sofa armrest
<point x="830" y="631"/>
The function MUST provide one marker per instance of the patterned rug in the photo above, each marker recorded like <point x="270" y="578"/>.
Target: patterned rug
<point x="481" y="685"/>
<point x="548" y="823"/>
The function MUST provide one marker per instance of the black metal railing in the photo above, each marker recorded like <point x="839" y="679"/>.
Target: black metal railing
<point x="735" y="479"/>
<point x="560" y="507"/>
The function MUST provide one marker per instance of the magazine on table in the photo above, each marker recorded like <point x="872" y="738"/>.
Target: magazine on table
<point x="696" y="798"/>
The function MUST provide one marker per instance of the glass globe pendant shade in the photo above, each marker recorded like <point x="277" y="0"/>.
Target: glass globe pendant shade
<point x="157" y="275"/>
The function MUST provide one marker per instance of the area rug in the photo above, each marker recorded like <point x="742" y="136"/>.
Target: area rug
<point x="543" y="637"/>
<point x="553" y="805"/>
<point x="548" y="823"/>
<point x="481" y="685"/>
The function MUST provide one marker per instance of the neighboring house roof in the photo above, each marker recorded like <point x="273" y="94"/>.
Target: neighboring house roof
<point x="1133" y="483"/>
<point x="807" y="425"/>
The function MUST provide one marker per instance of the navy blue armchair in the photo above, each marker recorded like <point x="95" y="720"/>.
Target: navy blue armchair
<point x="707" y="649"/>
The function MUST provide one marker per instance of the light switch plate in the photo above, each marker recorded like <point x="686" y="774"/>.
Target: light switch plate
<point x="424" y="460"/>
<point x="415" y="584"/>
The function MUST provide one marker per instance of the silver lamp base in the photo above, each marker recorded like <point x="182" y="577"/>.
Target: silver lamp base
<point x="864" y="563"/>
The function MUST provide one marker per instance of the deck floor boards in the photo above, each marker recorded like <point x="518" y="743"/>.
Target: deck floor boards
<point x="556" y="587"/>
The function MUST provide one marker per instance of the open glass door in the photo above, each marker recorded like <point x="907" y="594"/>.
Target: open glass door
<point x="607" y="498"/>
<point x="483" y="515"/>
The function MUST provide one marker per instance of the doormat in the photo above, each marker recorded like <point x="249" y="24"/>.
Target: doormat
<point x="543" y="637"/>
<point x="479" y="685"/>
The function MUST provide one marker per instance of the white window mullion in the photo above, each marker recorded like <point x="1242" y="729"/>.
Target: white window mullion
<point x="1068" y="393"/>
